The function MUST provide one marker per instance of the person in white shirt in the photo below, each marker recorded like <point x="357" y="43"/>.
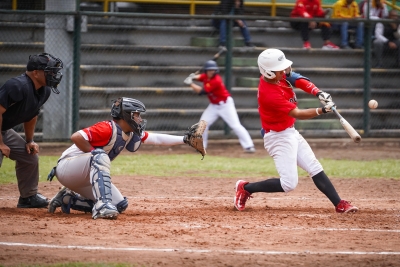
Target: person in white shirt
<point x="387" y="37"/>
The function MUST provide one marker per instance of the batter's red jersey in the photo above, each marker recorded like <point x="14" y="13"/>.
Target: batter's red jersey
<point x="275" y="101"/>
<point x="215" y="88"/>
<point x="307" y="9"/>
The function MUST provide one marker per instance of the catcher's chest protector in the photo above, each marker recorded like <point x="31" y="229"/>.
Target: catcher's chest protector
<point x="117" y="142"/>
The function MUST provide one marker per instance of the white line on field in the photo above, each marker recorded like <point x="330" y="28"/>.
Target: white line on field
<point x="266" y="252"/>
<point x="267" y="226"/>
<point x="231" y="197"/>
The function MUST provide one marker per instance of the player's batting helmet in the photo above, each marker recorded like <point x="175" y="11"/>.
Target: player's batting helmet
<point x="125" y="108"/>
<point x="211" y="65"/>
<point x="271" y="60"/>
<point x="51" y="66"/>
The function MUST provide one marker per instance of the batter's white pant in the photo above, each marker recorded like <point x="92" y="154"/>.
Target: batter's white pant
<point x="289" y="149"/>
<point x="228" y="113"/>
<point x="74" y="173"/>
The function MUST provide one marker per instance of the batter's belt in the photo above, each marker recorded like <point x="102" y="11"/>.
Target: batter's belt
<point x="263" y="131"/>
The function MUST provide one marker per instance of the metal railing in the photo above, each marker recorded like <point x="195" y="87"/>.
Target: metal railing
<point x="273" y="4"/>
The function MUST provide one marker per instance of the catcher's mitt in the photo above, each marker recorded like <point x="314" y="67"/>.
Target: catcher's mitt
<point x="194" y="137"/>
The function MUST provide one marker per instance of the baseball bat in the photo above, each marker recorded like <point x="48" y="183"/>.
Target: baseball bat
<point x="216" y="56"/>
<point x="347" y="127"/>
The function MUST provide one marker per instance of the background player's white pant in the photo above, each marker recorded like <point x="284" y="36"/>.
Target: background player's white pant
<point x="74" y="173"/>
<point x="289" y="149"/>
<point x="228" y="113"/>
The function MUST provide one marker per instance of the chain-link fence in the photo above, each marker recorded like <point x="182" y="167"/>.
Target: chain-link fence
<point x="147" y="57"/>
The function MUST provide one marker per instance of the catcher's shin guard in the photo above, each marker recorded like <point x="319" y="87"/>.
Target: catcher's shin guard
<point x="101" y="185"/>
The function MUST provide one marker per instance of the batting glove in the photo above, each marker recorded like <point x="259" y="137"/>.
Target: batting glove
<point x="328" y="107"/>
<point x="189" y="79"/>
<point x="324" y="98"/>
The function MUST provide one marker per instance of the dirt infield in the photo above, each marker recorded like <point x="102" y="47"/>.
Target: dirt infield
<point x="176" y="221"/>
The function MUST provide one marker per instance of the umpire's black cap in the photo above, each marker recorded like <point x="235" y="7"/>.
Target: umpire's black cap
<point x="37" y="62"/>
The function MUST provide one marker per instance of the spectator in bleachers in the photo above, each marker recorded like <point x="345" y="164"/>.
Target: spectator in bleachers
<point x="387" y="37"/>
<point x="311" y="9"/>
<point x="377" y="9"/>
<point x="231" y="7"/>
<point x="348" y="9"/>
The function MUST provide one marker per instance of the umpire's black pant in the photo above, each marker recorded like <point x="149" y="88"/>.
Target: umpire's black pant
<point x="26" y="165"/>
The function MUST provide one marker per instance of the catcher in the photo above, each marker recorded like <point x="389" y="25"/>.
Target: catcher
<point x="84" y="168"/>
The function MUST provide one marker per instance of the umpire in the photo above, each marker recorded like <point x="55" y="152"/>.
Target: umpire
<point x="20" y="101"/>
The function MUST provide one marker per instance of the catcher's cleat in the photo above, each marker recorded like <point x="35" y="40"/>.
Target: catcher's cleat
<point x="345" y="207"/>
<point x="35" y="201"/>
<point x="241" y="195"/>
<point x="57" y="200"/>
<point x="104" y="210"/>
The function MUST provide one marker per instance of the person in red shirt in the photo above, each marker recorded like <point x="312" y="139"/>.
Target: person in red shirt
<point x="278" y="113"/>
<point x="311" y="9"/>
<point x="84" y="168"/>
<point x="221" y="104"/>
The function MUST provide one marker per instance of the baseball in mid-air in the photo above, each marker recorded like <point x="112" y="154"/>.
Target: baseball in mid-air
<point x="373" y="104"/>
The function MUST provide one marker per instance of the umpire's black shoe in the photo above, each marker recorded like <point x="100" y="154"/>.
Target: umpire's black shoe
<point x="35" y="201"/>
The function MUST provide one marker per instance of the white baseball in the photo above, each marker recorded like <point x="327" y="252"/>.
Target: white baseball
<point x="373" y="104"/>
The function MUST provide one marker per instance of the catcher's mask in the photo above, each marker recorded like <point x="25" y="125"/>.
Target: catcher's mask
<point x="125" y="108"/>
<point x="51" y="66"/>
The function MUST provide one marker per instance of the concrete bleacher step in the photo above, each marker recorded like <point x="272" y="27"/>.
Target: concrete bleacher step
<point x="326" y="77"/>
<point x="212" y="41"/>
<point x="239" y="61"/>
<point x="167" y="97"/>
<point x="172" y="76"/>
<point x="264" y="35"/>
<point x="154" y="55"/>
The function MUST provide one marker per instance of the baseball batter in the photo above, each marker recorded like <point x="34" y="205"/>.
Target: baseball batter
<point x="278" y="112"/>
<point x="84" y="168"/>
<point x="221" y="104"/>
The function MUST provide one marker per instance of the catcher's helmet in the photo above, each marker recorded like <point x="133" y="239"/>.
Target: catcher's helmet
<point x="51" y="66"/>
<point x="211" y="65"/>
<point x="124" y="108"/>
<point x="271" y="60"/>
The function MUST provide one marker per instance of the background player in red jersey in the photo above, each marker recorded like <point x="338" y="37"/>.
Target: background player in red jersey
<point x="312" y="9"/>
<point x="278" y="112"/>
<point x="221" y="104"/>
<point x="84" y="168"/>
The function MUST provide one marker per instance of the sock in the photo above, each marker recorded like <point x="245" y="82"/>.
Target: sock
<point x="268" y="186"/>
<point x="325" y="186"/>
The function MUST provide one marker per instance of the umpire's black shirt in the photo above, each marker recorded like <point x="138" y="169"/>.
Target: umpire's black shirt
<point x="21" y="101"/>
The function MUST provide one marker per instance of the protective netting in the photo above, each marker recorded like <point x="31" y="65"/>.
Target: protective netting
<point x="147" y="57"/>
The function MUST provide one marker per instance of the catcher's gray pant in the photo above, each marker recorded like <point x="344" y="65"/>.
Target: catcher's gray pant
<point x="26" y="165"/>
<point x="74" y="173"/>
<point x="228" y="113"/>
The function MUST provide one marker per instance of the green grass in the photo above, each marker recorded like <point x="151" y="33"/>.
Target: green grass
<point x="217" y="167"/>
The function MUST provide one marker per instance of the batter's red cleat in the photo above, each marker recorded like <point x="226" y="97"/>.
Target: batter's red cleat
<point x="345" y="207"/>
<point x="241" y="195"/>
